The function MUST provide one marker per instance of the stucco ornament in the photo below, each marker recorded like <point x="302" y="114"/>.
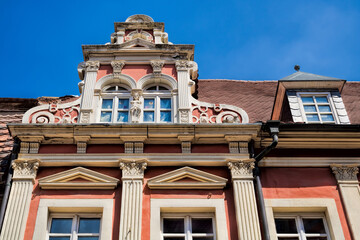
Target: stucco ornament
<point x="241" y="169"/>
<point x="184" y="115"/>
<point x="25" y="169"/>
<point x="138" y="18"/>
<point x="135" y="109"/>
<point x="92" y="66"/>
<point x="133" y="169"/>
<point x="117" y="67"/>
<point x="345" y="172"/>
<point x="157" y="66"/>
<point x="183" y="65"/>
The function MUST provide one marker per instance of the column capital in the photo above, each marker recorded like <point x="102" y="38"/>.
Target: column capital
<point x="25" y="169"/>
<point x="92" y="66"/>
<point x="183" y="65"/>
<point x="345" y="173"/>
<point x="241" y="169"/>
<point x="157" y="66"/>
<point x="132" y="169"/>
<point x="117" y="66"/>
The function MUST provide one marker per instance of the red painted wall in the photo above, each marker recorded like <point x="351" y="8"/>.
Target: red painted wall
<point x="210" y="148"/>
<point x="103" y="71"/>
<point x="105" y="148"/>
<point x="74" y="194"/>
<point x="303" y="183"/>
<point x="226" y="194"/>
<point x="57" y="148"/>
<point x="170" y="70"/>
<point x="162" y="148"/>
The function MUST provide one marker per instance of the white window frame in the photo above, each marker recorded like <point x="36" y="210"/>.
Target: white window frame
<point x="300" y="226"/>
<point x="188" y="235"/>
<point x="115" y="96"/>
<point x="157" y="95"/>
<point x="50" y="207"/>
<point x="325" y="207"/>
<point x="161" y="207"/>
<point x="314" y="94"/>
<point x="75" y="225"/>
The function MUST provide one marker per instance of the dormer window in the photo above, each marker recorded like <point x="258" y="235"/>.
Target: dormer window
<point x="157" y="104"/>
<point x="115" y="104"/>
<point x="317" y="107"/>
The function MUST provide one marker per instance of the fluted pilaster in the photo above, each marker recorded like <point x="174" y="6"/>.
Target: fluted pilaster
<point x="19" y="199"/>
<point x="245" y="201"/>
<point x="131" y="201"/>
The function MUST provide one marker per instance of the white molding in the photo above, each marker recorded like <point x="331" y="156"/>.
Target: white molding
<point x="63" y="180"/>
<point x="154" y="159"/>
<point x="302" y="205"/>
<point x="103" y="206"/>
<point x="216" y="206"/>
<point x="109" y="79"/>
<point x="172" y="180"/>
<point x="162" y="78"/>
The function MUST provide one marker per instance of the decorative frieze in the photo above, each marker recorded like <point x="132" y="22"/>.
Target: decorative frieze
<point x="157" y="66"/>
<point x="345" y="172"/>
<point x="241" y="169"/>
<point x="133" y="169"/>
<point x="92" y="66"/>
<point x="117" y="66"/>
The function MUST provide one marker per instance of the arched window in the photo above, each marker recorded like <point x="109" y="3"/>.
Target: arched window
<point x="115" y="104"/>
<point x="157" y="104"/>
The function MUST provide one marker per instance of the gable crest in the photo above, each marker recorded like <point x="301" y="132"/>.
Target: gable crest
<point x="187" y="178"/>
<point x="78" y="178"/>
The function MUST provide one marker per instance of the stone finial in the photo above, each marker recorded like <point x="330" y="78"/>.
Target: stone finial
<point x="241" y="169"/>
<point x="92" y="66"/>
<point x="345" y="173"/>
<point x="25" y="169"/>
<point x="133" y="169"/>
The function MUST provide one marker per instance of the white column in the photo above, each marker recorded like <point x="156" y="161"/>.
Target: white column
<point x="131" y="199"/>
<point x="88" y="93"/>
<point x="19" y="200"/>
<point x="346" y="176"/>
<point x="183" y="76"/>
<point x="245" y="202"/>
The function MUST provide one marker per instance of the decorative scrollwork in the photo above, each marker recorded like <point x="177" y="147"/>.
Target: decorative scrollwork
<point x="25" y="169"/>
<point x="241" y="169"/>
<point x="133" y="169"/>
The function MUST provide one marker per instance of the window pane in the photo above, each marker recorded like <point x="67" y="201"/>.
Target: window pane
<point x="165" y="103"/>
<point x="149" y="103"/>
<point x="310" y="108"/>
<point x="174" y="225"/>
<point x="312" y="225"/>
<point x="152" y="88"/>
<point x="88" y="238"/>
<point x="307" y="99"/>
<point x="285" y="225"/>
<point x="123" y="104"/>
<point x="61" y="225"/>
<point x="321" y="99"/>
<point x="165" y="116"/>
<point x="105" y="117"/>
<point x="123" y="117"/>
<point x="201" y="225"/>
<point x="89" y="225"/>
<point x="111" y="89"/>
<point x="327" y="117"/>
<point x="324" y="108"/>
<point x="161" y="88"/>
<point x="174" y="238"/>
<point x="148" y="116"/>
<point x="107" y="104"/>
<point x="59" y="238"/>
<point x="312" y="117"/>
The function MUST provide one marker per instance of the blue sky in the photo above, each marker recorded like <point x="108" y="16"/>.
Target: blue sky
<point x="40" y="41"/>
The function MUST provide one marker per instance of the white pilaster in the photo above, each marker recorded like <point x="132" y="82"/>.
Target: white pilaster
<point x="131" y="200"/>
<point x="183" y="76"/>
<point x="19" y="199"/>
<point x="245" y="202"/>
<point x="346" y="176"/>
<point x="88" y="94"/>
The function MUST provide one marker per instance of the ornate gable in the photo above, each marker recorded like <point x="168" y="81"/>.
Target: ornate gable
<point x="78" y="178"/>
<point x="187" y="178"/>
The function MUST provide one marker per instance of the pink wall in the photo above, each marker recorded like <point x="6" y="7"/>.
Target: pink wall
<point x="303" y="183"/>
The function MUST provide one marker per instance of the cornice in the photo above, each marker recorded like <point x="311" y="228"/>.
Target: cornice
<point x="307" y="161"/>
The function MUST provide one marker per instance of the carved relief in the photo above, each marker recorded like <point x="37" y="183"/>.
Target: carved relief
<point x="241" y="169"/>
<point x="133" y="169"/>
<point x="139" y="34"/>
<point x="345" y="172"/>
<point x="117" y="67"/>
<point x="184" y="115"/>
<point x="92" y="66"/>
<point x="85" y="117"/>
<point x="135" y="109"/>
<point x="25" y="169"/>
<point x="157" y="66"/>
<point x="183" y="65"/>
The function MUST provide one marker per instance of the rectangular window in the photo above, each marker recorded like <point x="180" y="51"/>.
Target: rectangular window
<point x="106" y="110"/>
<point x="317" y="108"/>
<point x="301" y="227"/>
<point x="123" y="110"/>
<point x="157" y="109"/>
<point x="115" y="110"/>
<point x="76" y="226"/>
<point x="188" y="227"/>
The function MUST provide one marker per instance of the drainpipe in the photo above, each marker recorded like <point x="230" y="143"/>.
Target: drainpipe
<point x="272" y="127"/>
<point x="4" y="202"/>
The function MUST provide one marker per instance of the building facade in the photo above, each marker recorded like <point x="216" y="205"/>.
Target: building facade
<point x="149" y="152"/>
